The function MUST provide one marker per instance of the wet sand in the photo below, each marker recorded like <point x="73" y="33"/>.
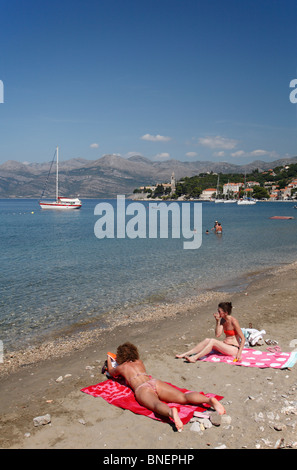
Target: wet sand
<point x="254" y="399"/>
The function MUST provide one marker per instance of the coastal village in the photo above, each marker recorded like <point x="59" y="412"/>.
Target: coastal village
<point x="270" y="189"/>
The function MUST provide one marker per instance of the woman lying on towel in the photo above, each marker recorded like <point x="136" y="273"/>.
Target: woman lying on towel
<point x="232" y="345"/>
<point x="152" y="393"/>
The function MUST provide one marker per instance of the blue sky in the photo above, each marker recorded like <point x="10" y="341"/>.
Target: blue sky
<point x="168" y="79"/>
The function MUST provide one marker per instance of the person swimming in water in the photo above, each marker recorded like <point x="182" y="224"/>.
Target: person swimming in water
<point x="233" y="343"/>
<point x="152" y="393"/>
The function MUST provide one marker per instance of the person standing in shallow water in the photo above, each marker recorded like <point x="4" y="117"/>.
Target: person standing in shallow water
<point x="152" y="393"/>
<point x="233" y="343"/>
<point x="219" y="228"/>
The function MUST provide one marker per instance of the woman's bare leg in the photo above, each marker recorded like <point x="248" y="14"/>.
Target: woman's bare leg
<point x="219" y="346"/>
<point x="177" y="421"/>
<point x="199" y="347"/>
<point x="172" y="395"/>
<point x="151" y="401"/>
<point x="193" y="399"/>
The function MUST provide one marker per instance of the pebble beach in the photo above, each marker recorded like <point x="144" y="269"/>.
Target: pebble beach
<point x="261" y="404"/>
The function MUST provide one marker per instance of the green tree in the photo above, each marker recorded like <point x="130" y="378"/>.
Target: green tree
<point x="260" y="193"/>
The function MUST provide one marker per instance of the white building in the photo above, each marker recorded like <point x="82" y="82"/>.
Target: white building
<point x="208" y="194"/>
<point x="231" y="188"/>
<point x="293" y="184"/>
<point x="251" y="184"/>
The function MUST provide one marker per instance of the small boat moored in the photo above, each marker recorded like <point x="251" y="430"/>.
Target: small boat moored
<point x="245" y="202"/>
<point x="61" y="203"/>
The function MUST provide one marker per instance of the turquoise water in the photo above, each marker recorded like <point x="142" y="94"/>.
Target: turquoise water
<point x="55" y="273"/>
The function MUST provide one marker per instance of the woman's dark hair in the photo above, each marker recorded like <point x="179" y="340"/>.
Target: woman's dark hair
<point x="127" y="352"/>
<point x="226" y="306"/>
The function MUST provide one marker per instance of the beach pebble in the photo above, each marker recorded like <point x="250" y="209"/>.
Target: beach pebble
<point x="205" y="422"/>
<point x="259" y="417"/>
<point x="280" y="443"/>
<point x="270" y="415"/>
<point x="42" y="420"/>
<point x="289" y="409"/>
<point x="216" y="419"/>
<point x="280" y="427"/>
<point x="59" y="379"/>
<point x="196" y="427"/>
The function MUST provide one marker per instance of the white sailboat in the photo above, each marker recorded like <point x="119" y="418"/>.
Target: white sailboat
<point x="246" y="201"/>
<point x="61" y="203"/>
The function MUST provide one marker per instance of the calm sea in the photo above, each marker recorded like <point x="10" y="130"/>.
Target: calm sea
<point x="56" y="274"/>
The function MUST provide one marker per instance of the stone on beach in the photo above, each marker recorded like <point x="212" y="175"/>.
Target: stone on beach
<point x="42" y="420"/>
<point x="196" y="427"/>
<point x="216" y="419"/>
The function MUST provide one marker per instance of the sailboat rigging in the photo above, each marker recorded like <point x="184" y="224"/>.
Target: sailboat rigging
<point x="246" y="201"/>
<point x="218" y="199"/>
<point x="63" y="203"/>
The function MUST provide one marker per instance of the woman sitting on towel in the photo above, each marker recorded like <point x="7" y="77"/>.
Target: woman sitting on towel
<point x="232" y="345"/>
<point x="152" y="393"/>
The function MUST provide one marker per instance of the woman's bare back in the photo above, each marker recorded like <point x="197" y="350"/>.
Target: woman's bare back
<point x="134" y="373"/>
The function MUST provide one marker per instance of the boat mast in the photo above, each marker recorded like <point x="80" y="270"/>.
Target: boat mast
<point x="218" y="181"/>
<point x="244" y="186"/>
<point x="57" y="175"/>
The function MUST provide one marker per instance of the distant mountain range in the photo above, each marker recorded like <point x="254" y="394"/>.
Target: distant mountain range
<point x="108" y="176"/>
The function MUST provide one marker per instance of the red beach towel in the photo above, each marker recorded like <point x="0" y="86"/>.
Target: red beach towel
<point x="118" y="394"/>
<point x="256" y="358"/>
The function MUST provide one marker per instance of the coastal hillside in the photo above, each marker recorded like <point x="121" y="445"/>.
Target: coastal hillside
<point x="109" y="175"/>
<point x="275" y="183"/>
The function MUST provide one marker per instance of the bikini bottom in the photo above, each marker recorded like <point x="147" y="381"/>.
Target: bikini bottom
<point x="150" y="384"/>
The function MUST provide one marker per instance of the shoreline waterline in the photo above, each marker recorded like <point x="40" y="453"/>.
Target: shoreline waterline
<point x="58" y="278"/>
<point x="78" y="337"/>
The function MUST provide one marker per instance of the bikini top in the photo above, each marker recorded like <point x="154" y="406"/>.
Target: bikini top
<point x="230" y="332"/>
